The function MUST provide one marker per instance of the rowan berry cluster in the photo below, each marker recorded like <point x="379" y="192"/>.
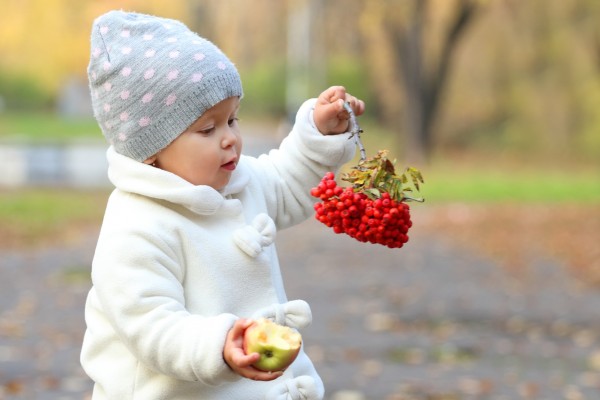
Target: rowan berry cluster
<point x="382" y="221"/>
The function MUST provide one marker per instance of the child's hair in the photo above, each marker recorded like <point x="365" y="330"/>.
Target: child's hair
<point x="151" y="78"/>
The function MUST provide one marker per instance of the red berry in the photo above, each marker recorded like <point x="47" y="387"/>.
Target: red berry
<point x="381" y="221"/>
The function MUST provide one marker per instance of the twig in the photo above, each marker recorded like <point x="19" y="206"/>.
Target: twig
<point x="356" y="131"/>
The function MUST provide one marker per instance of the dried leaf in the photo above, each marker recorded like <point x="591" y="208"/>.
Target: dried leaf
<point x="377" y="175"/>
<point x="14" y="387"/>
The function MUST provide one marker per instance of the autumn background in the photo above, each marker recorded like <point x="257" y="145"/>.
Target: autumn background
<point x="495" y="101"/>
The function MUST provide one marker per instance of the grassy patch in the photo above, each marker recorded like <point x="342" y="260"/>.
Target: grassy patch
<point x="447" y="184"/>
<point x="40" y="216"/>
<point x="493" y="178"/>
<point x="46" y="127"/>
<point x="75" y="275"/>
<point x="510" y="185"/>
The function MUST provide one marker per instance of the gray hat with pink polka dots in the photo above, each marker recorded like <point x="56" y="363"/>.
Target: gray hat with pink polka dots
<point x="151" y="78"/>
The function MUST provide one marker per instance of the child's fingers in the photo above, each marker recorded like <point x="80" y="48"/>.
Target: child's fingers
<point x="337" y="110"/>
<point x="258" y="375"/>
<point x="342" y="113"/>
<point x="236" y="333"/>
<point x="330" y="115"/>
<point x="358" y="106"/>
<point x="265" y="376"/>
<point x="242" y="360"/>
<point x="333" y="94"/>
<point x="243" y="366"/>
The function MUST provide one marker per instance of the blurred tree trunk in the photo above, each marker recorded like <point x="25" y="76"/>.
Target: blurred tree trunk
<point x="381" y="63"/>
<point x="422" y="79"/>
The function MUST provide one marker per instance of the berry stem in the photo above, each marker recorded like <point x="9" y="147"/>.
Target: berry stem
<point x="356" y="131"/>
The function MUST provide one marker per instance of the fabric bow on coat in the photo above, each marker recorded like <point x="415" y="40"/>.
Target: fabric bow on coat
<point x="295" y="314"/>
<point x="300" y="388"/>
<point x="253" y="238"/>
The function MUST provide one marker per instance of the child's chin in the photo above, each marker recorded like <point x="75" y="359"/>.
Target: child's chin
<point x="220" y="186"/>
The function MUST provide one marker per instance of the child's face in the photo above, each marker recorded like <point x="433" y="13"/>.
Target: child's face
<point x="208" y="151"/>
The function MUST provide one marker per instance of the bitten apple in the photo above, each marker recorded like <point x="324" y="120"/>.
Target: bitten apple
<point x="277" y="345"/>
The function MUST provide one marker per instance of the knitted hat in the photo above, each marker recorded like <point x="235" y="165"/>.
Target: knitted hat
<point x="151" y="78"/>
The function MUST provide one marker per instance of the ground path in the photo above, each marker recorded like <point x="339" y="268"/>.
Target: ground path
<point x="427" y="320"/>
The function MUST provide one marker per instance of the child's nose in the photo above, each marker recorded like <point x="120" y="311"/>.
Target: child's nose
<point x="230" y="137"/>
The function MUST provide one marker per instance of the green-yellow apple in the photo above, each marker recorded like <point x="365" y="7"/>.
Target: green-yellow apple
<point x="277" y="345"/>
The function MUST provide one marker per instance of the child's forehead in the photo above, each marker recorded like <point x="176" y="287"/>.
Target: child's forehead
<point x="226" y="107"/>
<point x="229" y="104"/>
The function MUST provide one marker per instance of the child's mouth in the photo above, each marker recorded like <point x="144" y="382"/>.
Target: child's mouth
<point x="230" y="166"/>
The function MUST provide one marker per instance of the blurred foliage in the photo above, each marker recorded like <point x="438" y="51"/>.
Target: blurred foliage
<point x="49" y="39"/>
<point x="45" y="126"/>
<point x="264" y="89"/>
<point x="22" y="92"/>
<point x="345" y="70"/>
<point x="525" y="76"/>
<point x="36" y="216"/>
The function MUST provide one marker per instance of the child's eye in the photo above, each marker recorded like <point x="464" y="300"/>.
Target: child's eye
<point x="232" y="121"/>
<point x="207" y="131"/>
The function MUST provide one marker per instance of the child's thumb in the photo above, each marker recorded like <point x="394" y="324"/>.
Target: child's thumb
<point x="335" y="109"/>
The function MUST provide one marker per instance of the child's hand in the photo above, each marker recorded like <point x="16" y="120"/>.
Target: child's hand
<point x="238" y="361"/>
<point x="330" y="116"/>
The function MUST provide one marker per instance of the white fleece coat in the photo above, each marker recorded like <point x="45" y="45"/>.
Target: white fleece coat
<point x="177" y="264"/>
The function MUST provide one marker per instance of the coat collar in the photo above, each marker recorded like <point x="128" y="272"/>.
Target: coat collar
<point x="136" y="177"/>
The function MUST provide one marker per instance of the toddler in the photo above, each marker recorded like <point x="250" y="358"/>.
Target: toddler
<point x="185" y="258"/>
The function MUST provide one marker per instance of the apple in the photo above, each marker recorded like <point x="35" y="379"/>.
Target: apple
<point x="277" y="345"/>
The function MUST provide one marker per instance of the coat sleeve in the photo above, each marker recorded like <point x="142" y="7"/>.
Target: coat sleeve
<point x="137" y="286"/>
<point x="288" y="173"/>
